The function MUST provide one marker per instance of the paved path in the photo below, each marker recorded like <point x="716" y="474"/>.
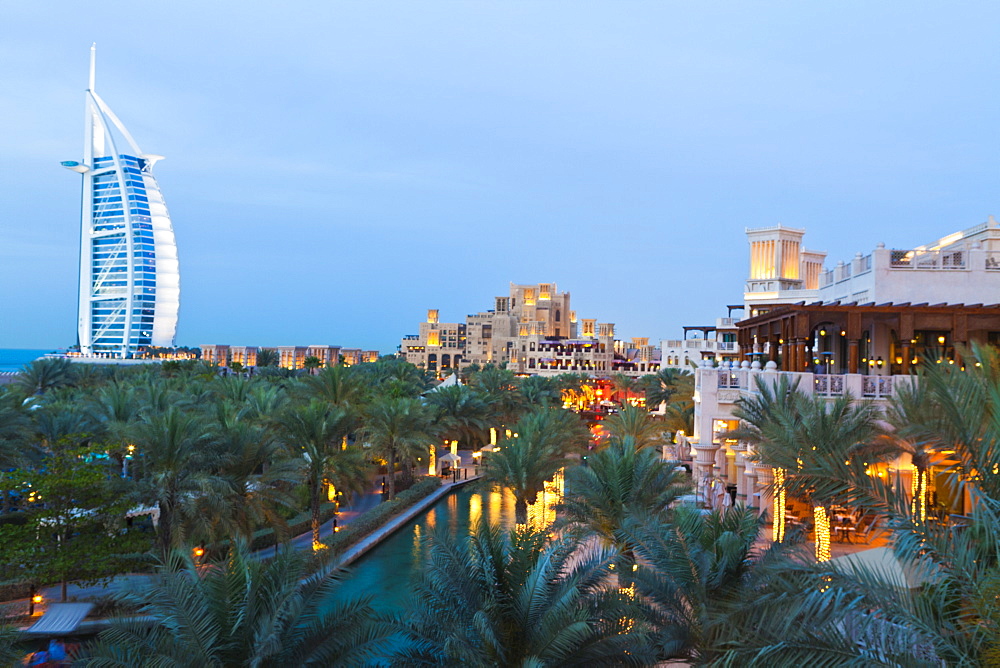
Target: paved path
<point x="359" y="505"/>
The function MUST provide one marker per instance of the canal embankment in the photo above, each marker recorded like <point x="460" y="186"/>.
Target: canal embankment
<point x="398" y="521"/>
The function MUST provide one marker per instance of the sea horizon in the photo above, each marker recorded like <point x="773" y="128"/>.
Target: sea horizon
<point x="12" y="359"/>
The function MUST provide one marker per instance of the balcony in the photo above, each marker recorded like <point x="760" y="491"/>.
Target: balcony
<point x="744" y="382"/>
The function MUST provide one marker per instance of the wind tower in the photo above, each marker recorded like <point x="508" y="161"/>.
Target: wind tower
<point x="129" y="277"/>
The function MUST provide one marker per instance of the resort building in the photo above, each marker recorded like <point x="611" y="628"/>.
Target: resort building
<point x="859" y="328"/>
<point x="129" y="293"/>
<point x="712" y="342"/>
<point x="289" y="357"/>
<point x="534" y="331"/>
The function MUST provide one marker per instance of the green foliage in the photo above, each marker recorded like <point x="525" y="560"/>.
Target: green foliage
<point x="520" y="599"/>
<point x="75" y="525"/>
<point x="618" y="482"/>
<point x="243" y="612"/>
<point x="523" y="463"/>
<point x="399" y="429"/>
<point x="362" y="526"/>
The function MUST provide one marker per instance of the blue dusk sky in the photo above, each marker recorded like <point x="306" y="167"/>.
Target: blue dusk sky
<point x="336" y="168"/>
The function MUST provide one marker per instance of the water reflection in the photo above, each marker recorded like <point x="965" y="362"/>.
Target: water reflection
<point x="386" y="571"/>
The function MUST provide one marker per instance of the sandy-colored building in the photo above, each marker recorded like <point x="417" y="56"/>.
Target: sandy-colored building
<point x="534" y="331"/>
<point x="289" y="357"/>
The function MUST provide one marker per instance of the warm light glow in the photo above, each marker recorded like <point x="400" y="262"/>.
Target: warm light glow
<point x="318" y="546"/>
<point x="331" y="493"/>
<point x="941" y="340"/>
<point x="778" y="504"/>
<point x="198" y="552"/>
<point x="918" y="493"/>
<point x="822" y="529"/>
<point x="37" y="598"/>
<point x="542" y="513"/>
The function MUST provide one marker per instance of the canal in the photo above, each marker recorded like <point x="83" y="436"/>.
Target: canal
<point x="385" y="572"/>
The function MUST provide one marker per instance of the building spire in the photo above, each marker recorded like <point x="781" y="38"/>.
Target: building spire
<point x="93" y="65"/>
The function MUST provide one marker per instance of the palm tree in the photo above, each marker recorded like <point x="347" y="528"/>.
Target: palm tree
<point x="701" y="573"/>
<point x="625" y="386"/>
<point x="917" y="430"/>
<point x="173" y="448"/>
<point x="620" y="480"/>
<point x="462" y="415"/>
<point x="257" y="476"/>
<point x="267" y="357"/>
<point x="661" y="387"/>
<point x="520" y="599"/>
<point x="317" y="430"/>
<point x="541" y="391"/>
<point x="525" y="462"/>
<point x="14" y="429"/>
<point x="43" y="375"/>
<point x="498" y="388"/>
<point x="634" y="422"/>
<point x="337" y="385"/>
<point x="311" y="363"/>
<point x="243" y="612"/>
<point x="399" y="429"/>
<point x="806" y="437"/>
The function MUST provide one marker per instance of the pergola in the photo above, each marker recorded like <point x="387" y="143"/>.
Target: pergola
<point x="861" y="338"/>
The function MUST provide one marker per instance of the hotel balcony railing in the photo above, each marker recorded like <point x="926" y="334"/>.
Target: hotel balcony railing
<point x="927" y="260"/>
<point x="826" y="385"/>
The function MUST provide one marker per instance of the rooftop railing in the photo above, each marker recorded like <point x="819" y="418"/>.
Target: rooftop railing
<point x="927" y="260"/>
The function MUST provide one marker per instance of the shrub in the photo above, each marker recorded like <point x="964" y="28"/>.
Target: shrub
<point x="297" y="525"/>
<point x="378" y="516"/>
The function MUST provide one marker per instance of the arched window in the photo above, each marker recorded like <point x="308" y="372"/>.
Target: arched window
<point x="557" y="315"/>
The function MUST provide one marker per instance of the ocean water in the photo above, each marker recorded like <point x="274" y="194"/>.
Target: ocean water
<point x="12" y="359"/>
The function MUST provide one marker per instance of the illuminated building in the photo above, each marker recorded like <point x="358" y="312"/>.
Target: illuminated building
<point x="859" y="328"/>
<point x="129" y="293"/>
<point x="534" y="331"/>
<point x="289" y="357"/>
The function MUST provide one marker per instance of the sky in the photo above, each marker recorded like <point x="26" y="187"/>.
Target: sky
<point x="334" y="169"/>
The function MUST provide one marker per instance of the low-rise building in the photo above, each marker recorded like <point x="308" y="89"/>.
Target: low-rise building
<point x="289" y="357"/>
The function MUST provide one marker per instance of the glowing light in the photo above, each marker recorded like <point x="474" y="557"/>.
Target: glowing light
<point x="198" y="552"/>
<point x="918" y="495"/>
<point x="37" y="598"/>
<point x="778" y="503"/>
<point x="822" y="530"/>
<point x="318" y="546"/>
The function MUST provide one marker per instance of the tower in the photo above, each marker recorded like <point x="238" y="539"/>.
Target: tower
<point x="129" y="277"/>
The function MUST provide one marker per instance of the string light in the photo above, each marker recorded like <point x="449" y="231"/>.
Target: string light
<point x="822" y="522"/>
<point x="779" y="505"/>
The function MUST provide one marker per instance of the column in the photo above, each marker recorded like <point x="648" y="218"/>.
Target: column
<point x="907" y="356"/>
<point x="703" y="462"/>
<point x="852" y="355"/>
<point x="800" y="355"/>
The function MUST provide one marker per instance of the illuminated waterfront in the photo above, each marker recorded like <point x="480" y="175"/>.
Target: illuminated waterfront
<point x="385" y="572"/>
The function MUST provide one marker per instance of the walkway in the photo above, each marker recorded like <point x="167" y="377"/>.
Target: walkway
<point x="359" y="505"/>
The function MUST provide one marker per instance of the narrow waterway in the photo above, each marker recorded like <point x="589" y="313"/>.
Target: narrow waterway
<point x="386" y="571"/>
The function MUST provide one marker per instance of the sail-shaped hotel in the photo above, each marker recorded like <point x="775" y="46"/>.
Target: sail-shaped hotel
<point x="129" y="277"/>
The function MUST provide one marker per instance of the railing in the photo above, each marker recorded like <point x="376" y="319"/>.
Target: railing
<point x="927" y="260"/>
<point x="828" y="385"/>
<point x="733" y="380"/>
<point x="876" y="387"/>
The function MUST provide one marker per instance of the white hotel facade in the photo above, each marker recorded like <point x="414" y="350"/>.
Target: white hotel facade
<point x="129" y="294"/>
<point x="859" y="327"/>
